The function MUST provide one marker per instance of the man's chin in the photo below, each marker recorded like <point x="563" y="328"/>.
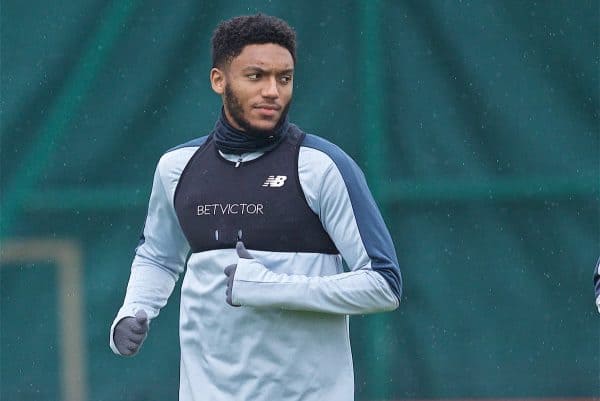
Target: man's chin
<point x="263" y="127"/>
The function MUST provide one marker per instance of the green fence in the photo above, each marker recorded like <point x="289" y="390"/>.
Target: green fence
<point x="476" y="122"/>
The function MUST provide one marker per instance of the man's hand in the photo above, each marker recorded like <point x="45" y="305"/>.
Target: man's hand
<point x="130" y="333"/>
<point x="230" y="270"/>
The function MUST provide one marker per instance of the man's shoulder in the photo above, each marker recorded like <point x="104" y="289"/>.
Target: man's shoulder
<point x="178" y="156"/>
<point x="316" y="144"/>
<point x="313" y="141"/>
<point x="194" y="143"/>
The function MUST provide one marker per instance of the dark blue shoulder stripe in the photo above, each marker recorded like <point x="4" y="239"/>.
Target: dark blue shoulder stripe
<point x="373" y="231"/>
<point x="190" y="144"/>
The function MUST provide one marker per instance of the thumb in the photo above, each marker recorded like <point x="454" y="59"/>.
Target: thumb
<point x="141" y="317"/>
<point x="229" y="270"/>
<point x="241" y="251"/>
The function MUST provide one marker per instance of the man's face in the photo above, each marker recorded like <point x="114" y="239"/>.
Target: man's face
<point x="256" y="86"/>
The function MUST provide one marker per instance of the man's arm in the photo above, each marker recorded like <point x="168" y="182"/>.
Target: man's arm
<point x="337" y="192"/>
<point x="159" y="258"/>
<point x="597" y="283"/>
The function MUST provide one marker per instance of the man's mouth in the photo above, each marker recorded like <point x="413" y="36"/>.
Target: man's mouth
<point x="268" y="109"/>
<point x="268" y="106"/>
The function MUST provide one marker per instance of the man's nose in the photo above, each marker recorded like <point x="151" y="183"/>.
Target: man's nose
<point x="270" y="89"/>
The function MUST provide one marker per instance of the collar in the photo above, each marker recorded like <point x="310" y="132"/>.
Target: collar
<point x="231" y="140"/>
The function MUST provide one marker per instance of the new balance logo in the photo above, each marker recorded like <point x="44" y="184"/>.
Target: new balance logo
<point x="275" y="181"/>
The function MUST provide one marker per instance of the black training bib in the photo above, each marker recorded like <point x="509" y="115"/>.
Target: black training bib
<point x="259" y="202"/>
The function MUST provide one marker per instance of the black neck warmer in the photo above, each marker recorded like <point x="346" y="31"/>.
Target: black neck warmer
<point x="231" y="140"/>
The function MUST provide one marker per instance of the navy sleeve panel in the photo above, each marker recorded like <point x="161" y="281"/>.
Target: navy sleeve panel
<point x="373" y="231"/>
<point x="597" y="278"/>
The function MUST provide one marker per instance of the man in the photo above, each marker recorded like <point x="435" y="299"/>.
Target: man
<point x="266" y="213"/>
<point x="597" y="284"/>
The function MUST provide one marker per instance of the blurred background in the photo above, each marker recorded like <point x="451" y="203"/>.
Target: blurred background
<point x="476" y="123"/>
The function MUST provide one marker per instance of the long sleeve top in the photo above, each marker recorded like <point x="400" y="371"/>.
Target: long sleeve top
<point x="289" y="341"/>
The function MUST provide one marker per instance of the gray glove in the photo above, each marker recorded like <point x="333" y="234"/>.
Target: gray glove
<point x="130" y="333"/>
<point x="230" y="270"/>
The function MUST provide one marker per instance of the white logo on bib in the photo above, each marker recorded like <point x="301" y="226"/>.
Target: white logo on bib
<point x="275" y="181"/>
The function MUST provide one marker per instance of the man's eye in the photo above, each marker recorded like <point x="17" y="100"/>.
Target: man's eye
<point x="286" y="79"/>
<point x="253" y="76"/>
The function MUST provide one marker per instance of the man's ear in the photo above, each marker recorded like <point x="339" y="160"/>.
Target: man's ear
<point x="217" y="80"/>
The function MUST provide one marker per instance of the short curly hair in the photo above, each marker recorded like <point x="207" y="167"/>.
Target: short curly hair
<point x="231" y="36"/>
